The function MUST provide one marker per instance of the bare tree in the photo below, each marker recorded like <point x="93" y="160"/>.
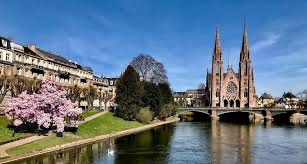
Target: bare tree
<point x="201" y="86"/>
<point x="105" y="97"/>
<point x="149" y="69"/>
<point x="4" y="87"/>
<point x="90" y="94"/>
<point x="74" y="93"/>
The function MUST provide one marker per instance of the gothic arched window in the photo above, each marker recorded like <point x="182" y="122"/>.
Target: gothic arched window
<point x="217" y="93"/>
<point x="245" y="93"/>
<point x="245" y="67"/>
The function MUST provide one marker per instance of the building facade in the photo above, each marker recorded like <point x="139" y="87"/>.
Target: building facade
<point x="266" y="101"/>
<point x="289" y="101"/>
<point x="192" y="98"/>
<point x="231" y="89"/>
<point x="34" y="63"/>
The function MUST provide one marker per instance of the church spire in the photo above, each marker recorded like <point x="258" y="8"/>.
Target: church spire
<point x="244" y="50"/>
<point x="229" y="65"/>
<point x="207" y="78"/>
<point x="217" y="54"/>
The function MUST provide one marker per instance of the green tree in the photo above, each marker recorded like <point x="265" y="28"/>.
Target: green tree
<point x="128" y="94"/>
<point x="152" y="97"/>
<point x="167" y="96"/>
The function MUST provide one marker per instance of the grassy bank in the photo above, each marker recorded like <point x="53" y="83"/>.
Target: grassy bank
<point x="104" y="124"/>
<point x="6" y="134"/>
<point x="89" y="113"/>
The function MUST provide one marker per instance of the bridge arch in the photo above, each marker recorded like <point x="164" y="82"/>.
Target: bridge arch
<point x="231" y="111"/>
<point x="194" y="111"/>
<point x="238" y="116"/>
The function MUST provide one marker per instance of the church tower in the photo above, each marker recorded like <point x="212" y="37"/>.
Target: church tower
<point x="217" y="72"/>
<point x="247" y="87"/>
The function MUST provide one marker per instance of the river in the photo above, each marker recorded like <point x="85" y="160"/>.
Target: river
<point x="194" y="142"/>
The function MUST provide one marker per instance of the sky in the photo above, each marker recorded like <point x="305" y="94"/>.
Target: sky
<point x="106" y="35"/>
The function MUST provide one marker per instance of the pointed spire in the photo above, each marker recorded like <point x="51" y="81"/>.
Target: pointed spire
<point x="207" y="78"/>
<point x="245" y="50"/>
<point x="217" y="46"/>
<point x="245" y="35"/>
<point x="229" y="64"/>
<point x="252" y="74"/>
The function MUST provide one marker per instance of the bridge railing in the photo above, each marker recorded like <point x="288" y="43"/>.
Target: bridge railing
<point x="241" y="109"/>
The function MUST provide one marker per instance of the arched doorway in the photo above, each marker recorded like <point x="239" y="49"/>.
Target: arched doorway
<point x="231" y="102"/>
<point x="238" y="103"/>
<point x="225" y="103"/>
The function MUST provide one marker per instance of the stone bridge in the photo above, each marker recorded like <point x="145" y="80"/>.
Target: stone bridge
<point x="265" y="112"/>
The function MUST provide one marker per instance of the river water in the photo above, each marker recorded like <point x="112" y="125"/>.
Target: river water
<point x="194" y="142"/>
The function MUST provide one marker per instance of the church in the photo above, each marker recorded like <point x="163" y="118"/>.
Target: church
<point x="231" y="89"/>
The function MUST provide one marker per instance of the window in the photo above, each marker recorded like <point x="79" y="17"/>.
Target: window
<point x="18" y="71"/>
<point x="231" y="88"/>
<point x="217" y="93"/>
<point x="217" y="68"/>
<point x="0" y="69"/>
<point x="245" y="67"/>
<point x="4" y="43"/>
<point x="7" y="57"/>
<point x="245" y="93"/>
<point x="0" y="54"/>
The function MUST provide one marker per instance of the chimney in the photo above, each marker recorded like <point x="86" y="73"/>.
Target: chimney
<point x="32" y="47"/>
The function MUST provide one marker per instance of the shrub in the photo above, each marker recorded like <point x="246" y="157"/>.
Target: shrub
<point x="144" y="116"/>
<point x="167" y="111"/>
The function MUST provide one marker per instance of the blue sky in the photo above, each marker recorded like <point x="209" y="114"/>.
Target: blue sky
<point x="106" y="35"/>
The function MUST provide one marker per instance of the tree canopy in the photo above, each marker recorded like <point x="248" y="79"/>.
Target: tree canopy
<point x="128" y="94"/>
<point x="149" y="69"/>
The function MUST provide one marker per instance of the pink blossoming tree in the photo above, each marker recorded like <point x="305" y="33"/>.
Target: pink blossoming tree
<point x="49" y="107"/>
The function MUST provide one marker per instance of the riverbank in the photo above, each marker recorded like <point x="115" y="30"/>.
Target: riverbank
<point x="87" y="134"/>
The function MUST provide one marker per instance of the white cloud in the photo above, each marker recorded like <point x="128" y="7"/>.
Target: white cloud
<point x="268" y="41"/>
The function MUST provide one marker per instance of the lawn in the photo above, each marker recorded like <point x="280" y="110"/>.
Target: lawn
<point x="89" y="113"/>
<point x="104" y="124"/>
<point x="6" y="134"/>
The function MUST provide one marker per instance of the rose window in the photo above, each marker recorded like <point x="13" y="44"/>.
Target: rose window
<point x="231" y="88"/>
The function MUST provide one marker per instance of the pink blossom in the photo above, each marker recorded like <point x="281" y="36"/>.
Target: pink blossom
<point x="46" y="108"/>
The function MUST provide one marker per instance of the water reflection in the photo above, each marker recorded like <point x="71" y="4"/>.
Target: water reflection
<point x="231" y="143"/>
<point x="194" y="142"/>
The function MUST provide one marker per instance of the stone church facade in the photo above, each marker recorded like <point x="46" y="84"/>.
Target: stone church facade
<point x="231" y="89"/>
